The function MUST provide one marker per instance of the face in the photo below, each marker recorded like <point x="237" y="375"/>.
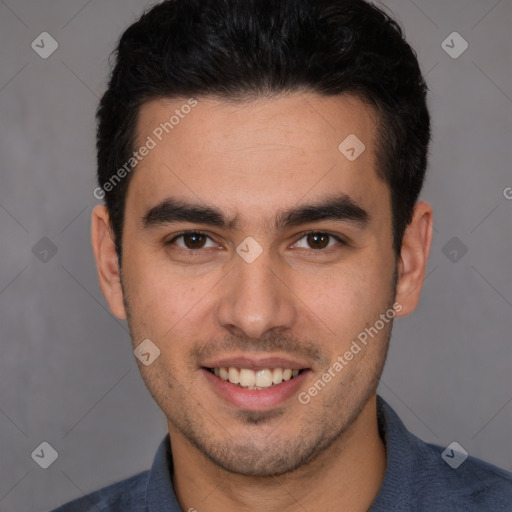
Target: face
<point x="252" y="242"/>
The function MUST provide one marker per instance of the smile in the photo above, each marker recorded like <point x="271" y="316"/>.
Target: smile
<point x="255" y="379"/>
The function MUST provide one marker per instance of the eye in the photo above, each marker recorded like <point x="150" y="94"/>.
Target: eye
<point x="318" y="240"/>
<point x="192" y="240"/>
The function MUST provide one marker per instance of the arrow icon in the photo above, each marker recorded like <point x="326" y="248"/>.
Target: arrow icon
<point x="454" y="45"/>
<point x="44" y="250"/>
<point x="147" y="352"/>
<point x="44" y="455"/>
<point x="249" y="249"/>
<point x="44" y="45"/>
<point x="39" y="456"/>
<point x="454" y="249"/>
<point x="351" y="147"/>
<point x="454" y="455"/>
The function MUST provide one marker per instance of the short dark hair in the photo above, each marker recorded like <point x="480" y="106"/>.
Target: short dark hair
<point x="245" y="49"/>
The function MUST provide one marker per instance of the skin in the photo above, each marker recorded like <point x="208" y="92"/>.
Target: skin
<point x="296" y="299"/>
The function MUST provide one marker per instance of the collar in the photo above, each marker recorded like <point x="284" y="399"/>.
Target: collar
<point x="401" y="463"/>
<point x="400" y="444"/>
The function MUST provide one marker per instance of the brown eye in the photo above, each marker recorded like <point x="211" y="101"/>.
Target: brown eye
<point x="317" y="240"/>
<point x="192" y="240"/>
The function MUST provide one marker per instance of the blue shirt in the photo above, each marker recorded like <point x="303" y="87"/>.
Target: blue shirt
<point x="417" y="479"/>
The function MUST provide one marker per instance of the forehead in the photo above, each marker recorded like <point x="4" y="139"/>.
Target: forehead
<point x="257" y="155"/>
<point x="301" y="121"/>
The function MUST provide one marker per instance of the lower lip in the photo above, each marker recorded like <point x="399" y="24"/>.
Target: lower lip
<point x="253" y="399"/>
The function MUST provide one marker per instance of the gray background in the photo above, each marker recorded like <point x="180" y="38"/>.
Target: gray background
<point x="67" y="373"/>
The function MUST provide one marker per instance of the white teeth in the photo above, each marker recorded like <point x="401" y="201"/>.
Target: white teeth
<point x="247" y="378"/>
<point x="277" y="375"/>
<point x="287" y="374"/>
<point x="263" y="378"/>
<point x="260" y="379"/>
<point x="234" y="375"/>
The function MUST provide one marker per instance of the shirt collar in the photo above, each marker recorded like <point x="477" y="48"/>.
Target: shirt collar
<point x="400" y="447"/>
<point x="160" y="496"/>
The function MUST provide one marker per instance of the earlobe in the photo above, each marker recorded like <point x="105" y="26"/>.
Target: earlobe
<point x="413" y="259"/>
<point x="107" y="261"/>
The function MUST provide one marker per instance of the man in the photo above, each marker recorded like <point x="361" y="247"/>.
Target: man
<point x="261" y="162"/>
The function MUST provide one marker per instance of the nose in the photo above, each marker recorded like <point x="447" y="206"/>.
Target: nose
<point x="257" y="298"/>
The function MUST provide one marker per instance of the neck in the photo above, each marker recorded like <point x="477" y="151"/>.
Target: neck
<point x="346" y="476"/>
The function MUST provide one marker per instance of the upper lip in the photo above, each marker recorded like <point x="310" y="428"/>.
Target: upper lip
<point x="256" y="363"/>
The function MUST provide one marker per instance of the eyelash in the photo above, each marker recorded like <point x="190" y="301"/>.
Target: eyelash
<point x="193" y="252"/>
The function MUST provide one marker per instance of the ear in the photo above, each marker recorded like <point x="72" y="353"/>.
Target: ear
<point x="412" y="263"/>
<point x="107" y="262"/>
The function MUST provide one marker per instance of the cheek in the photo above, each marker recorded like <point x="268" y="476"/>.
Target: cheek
<point x="164" y="302"/>
<point x="349" y="299"/>
<point x="151" y="297"/>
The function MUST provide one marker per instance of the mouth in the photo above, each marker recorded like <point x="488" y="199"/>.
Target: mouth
<point x="247" y="378"/>
<point x="256" y="382"/>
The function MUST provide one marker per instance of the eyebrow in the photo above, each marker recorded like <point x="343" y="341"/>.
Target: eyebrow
<point x="338" y="208"/>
